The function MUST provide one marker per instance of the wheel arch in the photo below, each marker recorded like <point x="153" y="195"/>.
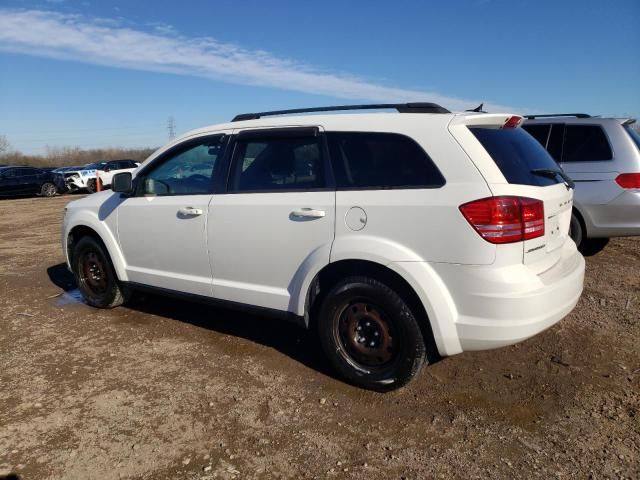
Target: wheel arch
<point x="105" y="237"/>
<point x="333" y="272"/>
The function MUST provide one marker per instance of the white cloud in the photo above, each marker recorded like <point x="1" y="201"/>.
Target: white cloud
<point x="71" y="37"/>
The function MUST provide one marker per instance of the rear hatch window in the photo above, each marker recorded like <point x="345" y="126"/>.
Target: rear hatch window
<point x="519" y="156"/>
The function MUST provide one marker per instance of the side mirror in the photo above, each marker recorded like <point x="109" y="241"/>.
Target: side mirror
<point x="122" y="183"/>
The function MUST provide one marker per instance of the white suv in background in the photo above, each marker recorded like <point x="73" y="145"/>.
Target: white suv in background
<point x="389" y="234"/>
<point x="85" y="178"/>
<point x="602" y="157"/>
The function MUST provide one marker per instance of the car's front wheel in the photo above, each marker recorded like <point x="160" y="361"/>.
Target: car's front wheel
<point x="370" y="334"/>
<point x="95" y="275"/>
<point x="91" y="185"/>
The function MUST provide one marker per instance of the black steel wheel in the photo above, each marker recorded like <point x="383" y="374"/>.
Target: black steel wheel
<point x="370" y="334"/>
<point x="95" y="275"/>
<point x="91" y="185"/>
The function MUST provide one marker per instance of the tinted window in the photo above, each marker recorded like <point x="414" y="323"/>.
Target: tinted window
<point x="539" y="132"/>
<point x="268" y="164"/>
<point x="380" y="160"/>
<point x="516" y="154"/>
<point x="556" y="139"/>
<point x="185" y="171"/>
<point x="28" y="171"/>
<point x="585" y="143"/>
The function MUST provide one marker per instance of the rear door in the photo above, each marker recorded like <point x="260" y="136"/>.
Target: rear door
<point x="276" y="221"/>
<point x="527" y="169"/>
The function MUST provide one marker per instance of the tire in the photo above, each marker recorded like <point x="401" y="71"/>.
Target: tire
<point x="95" y="275"/>
<point x="576" y="231"/>
<point x="370" y="334"/>
<point x="592" y="246"/>
<point x="91" y="185"/>
<point x="48" y="190"/>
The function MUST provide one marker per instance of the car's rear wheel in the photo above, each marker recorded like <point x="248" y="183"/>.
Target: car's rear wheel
<point x="370" y="334"/>
<point x="48" y="190"/>
<point x="576" y="232"/>
<point x="91" y="185"/>
<point x="95" y="275"/>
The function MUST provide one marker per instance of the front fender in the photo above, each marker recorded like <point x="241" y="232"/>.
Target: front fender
<point x="104" y="229"/>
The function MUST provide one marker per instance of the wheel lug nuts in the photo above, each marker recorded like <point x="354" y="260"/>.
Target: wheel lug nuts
<point x="359" y="328"/>
<point x="368" y="324"/>
<point x="371" y="344"/>
<point x="376" y="334"/>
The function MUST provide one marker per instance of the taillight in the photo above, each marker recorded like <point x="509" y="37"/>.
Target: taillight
<point x="512" y="122"/>
<point x="628" y="180"/>
<point x="506" y="219"/>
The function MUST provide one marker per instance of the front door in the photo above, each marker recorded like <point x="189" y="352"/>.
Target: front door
<point x="162" y="228"/>
<point x="277" y="220"/>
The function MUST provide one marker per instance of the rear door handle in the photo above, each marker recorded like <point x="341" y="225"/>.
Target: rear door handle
<point x="308" y="212"/>
<point x="190" y="211"/>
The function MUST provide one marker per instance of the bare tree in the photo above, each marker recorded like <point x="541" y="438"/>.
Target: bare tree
<point x="5" y="146"/>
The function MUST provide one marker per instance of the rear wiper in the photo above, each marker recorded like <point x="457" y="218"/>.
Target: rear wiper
<point x="549" y="173"/>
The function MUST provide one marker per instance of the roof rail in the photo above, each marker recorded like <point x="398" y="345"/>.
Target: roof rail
<point x="416" y="107"/>
<point x="546" y="115"/>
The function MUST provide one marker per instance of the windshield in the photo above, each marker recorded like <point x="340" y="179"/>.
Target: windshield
<point x="635" y="136"/>
<point x="518" y="155"/>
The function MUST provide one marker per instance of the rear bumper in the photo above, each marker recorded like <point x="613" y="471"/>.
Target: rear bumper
<point x="521" y="304"/>
<point x="484" y="307"/>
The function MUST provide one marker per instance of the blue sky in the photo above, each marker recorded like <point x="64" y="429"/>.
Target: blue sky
<point x="98" y="74"/>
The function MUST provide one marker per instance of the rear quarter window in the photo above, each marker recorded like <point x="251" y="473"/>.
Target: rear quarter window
<point x="516" y="154"/>
<point x="634" y="134"/>
<point x="373" y="160"/>
<point x="585" y="143"/>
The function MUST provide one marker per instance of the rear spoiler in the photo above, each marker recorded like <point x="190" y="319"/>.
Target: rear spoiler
<point x="627" y="121"/>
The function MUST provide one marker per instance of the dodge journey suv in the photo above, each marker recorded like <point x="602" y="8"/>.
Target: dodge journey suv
<point x="393" y="235"/>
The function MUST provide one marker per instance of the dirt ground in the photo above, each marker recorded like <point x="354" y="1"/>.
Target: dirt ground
<point x="167" y="389"/>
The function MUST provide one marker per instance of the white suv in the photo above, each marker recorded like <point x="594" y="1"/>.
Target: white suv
<point x="85" y="178"/>
<point x="390" y="234"/>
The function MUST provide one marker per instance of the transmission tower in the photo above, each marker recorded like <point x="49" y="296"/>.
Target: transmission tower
<point x="171" y="127"/>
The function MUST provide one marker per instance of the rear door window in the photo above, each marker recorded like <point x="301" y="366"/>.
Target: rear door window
<point x="278" y="163"/>
<point x="585" y="143"/>
<point x="363" y="160"/>
<point x="517" y="154"/>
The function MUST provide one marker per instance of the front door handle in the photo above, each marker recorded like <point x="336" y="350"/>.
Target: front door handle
<point x="308" y="213"/>
<point x="190" y="211"/>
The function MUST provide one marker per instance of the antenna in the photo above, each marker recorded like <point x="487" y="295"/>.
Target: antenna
<point x="171" y="127"/>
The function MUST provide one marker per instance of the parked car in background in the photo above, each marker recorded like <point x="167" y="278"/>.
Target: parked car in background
<point x="19" y="180"/>
<point x="107" y="171"/>
<point x="85" y="178"/>
<point x="389" y="234"/>
<point x="602" y="156"/>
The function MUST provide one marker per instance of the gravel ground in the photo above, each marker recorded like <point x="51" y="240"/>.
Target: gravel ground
<point x="166" y="389"/>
